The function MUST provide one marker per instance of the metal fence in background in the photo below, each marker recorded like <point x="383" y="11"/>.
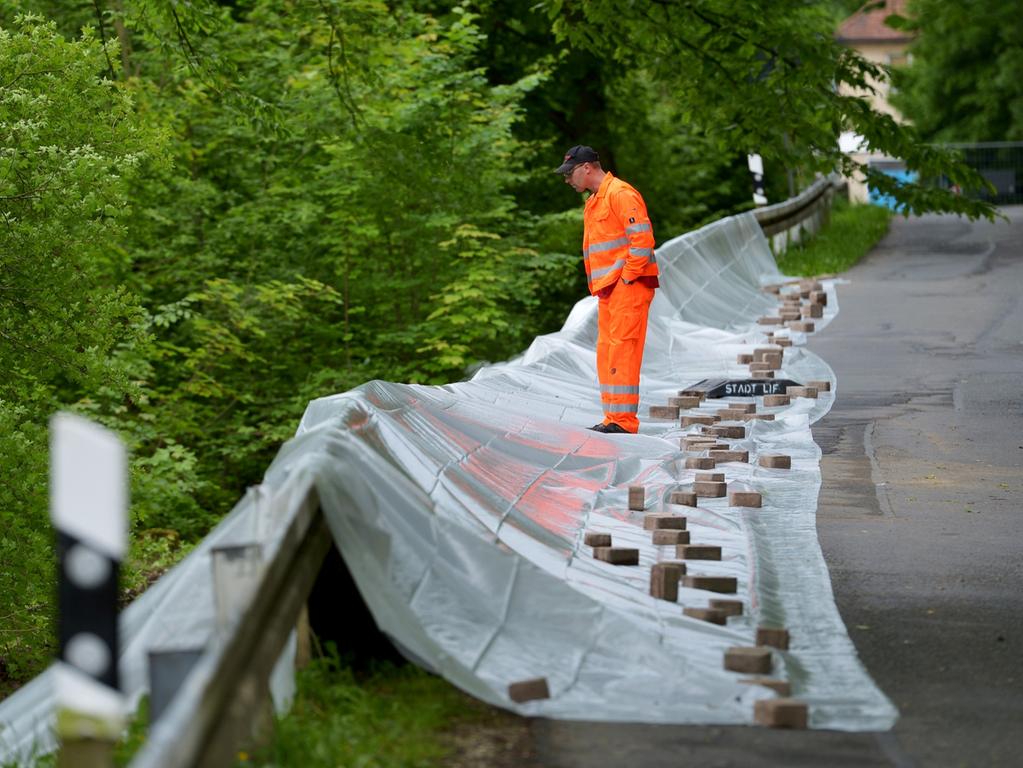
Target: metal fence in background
<point x="1001" y="163"/>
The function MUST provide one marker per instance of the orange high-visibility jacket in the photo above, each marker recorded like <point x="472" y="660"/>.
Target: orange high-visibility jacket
<point x="618" y="239"/>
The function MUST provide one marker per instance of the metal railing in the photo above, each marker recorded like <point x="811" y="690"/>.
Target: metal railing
<point x="802" y="216"/>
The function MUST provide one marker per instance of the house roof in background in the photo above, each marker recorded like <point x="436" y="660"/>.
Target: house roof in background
<point x="869" y="27"/>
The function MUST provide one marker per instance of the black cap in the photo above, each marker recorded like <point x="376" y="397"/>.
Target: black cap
<point x="576" y="155"/>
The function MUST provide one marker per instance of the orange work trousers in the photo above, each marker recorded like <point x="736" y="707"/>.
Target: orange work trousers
<point x="621" y="333"/>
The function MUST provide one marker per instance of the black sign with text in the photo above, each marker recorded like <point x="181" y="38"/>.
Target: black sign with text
<point x="740" y="387"/>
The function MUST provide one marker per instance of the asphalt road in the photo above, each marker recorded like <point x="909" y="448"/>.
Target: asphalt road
<point x="920" y="516"/>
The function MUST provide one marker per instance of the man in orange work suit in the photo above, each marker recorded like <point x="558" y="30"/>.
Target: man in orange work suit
<point x="618" y="253"/>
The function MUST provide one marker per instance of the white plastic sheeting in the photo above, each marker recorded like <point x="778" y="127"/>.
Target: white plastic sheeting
<point x="460" y="511"/>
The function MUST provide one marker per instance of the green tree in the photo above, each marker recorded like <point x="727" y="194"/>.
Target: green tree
<point x="964" y="83"/>
<point x="761" y="76"/>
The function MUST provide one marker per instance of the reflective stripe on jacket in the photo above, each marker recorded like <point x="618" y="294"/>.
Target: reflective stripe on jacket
<point x="618" y="239"/>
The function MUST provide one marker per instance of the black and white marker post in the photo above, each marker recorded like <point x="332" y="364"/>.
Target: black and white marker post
<point x="88" y="506"/>
<point x="756" y="172"/>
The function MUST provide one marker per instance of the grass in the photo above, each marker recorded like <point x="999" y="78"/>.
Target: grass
<point x="852" y="232"/>
<point x="390" y="717"/>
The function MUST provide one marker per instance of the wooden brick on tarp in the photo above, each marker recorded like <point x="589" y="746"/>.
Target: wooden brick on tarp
<point x="663" y="520"/>
<point x="790" y="314"/>
<point x="664" y="412"/>
<point x="746" y="407"/>
<point x="729" y="607"/>
<point x="775" y="637"/>
<point x="688" y="421"/>
<point x="685" y="498"/>
<point x="821" y="385"/>
<point x="755" y="660"/>
<point x="637" y="497"/>
<point x="770" y="321"/>
<point x="710" y="490"/>
<point x="783" y="342"/>
<point x="710" y="477"/>
<point x="698" y="552"/>
<point x="815" y="311"/>
<point x="744" y="499"/>
<point x="724" y="585"/>
<point x="684" y="402"/>
<point x="806" y="326"/>
<point x="744" y="358"/>
<point x="781" y="687"/>
<point x="819" y="297"/>
<point x="667" y="537"/>
<point x="730" y="432"/>
<point x="617" y="555"/>
<point x="706" y="614"/>
<point x="775" y="461"/>
<point x="759" y="417"/>
<point x="781" y="713"/>
<point x="721" y="457"/>
<point x="698" y="442"/>
<point x="596" y="539"/>
<point x="664" y="578"/>
<point x="729" y="414"/>
<point x="699" y="394"/>
<point x="529" y="690"/>
<point x="700" y="462"/>
<point x="773" y="401"/>
<point x="810" y="392"/>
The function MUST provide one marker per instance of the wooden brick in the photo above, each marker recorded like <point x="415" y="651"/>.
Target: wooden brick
<point x="744" y="499"/>
<point x="763" y="375"/>
<point x="729" y="607"/>
<point x="722" y="457"/>
<point x="595" y="539"/>
<point x="821" y="385"/>
<point x="760" y="366"/>
<point x="688" y="421"/>
<point x="819" y="297"/>
<point x="783" y="342"/>
<point x="684" y="402"/>
<point x="810" y="392"/>
<point x="773" y="401"/>
<point x="810" y="285"/>
<point x="729" y="414"/>
<point x="710" y="477"/>
<point x="730" y="432"/>
<point x="700" y="462"/>
<point x="755" y="660"/>
<point x="760" y="352"/>
<point x="724" y="585"/>
<point x="697" y="441"/>
<point x="699" y="394"/>
<point x="759" y="417"/>
<point x="685" y="498"/>
<point x="617" y="555"/>
<point x="529" y="690"/>
<point x="664" y="578"/>
<point x="781" y="687"/>
<point x="698" y="552"/>
<point x="775" y="461"/>
<point x="745" y="407"/>
<point x="663" y="520"/>
<point x="664" y="537"/>
<point x="773" y="288"/>
<point x="781" y="713"/>
<point x="805" y="293"/>
<point x="806" y="326"/>
<point x="637" y="497"/>
<point x="710" y="490"/>
<point x="706" y="614"/>
<point x="812" y="310"/>
<point x="744" y="358"/>
<point x="775" y="637"/>
<point x="664" y="412"/>
<point x="770" y="321"/>
<point x="790" y="314"/>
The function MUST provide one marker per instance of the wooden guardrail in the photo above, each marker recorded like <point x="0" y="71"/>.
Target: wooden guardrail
<point x="223" y="702"/>
<point x="789" y="221"/>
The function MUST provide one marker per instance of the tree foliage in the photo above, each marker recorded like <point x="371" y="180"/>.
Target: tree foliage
<point x="964" y="84"/>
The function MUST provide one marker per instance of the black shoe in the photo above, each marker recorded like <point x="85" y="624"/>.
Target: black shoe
<point x="598" y="427"/>
<point x="614" y="429"/>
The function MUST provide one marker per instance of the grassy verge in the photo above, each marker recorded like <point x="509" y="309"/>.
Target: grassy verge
<point x="390" y="717"/>
<point x="854" y="230"/>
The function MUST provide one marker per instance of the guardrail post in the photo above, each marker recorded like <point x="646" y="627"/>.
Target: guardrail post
<point x="167" y="671"/>
<point x="88" y="500"/>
